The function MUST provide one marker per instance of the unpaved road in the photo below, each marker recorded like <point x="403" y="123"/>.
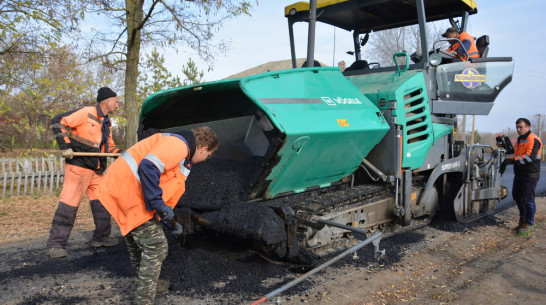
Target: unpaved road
<point x="444" y="263"/>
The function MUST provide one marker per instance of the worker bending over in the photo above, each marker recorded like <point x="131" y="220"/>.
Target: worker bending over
<point x="149" y="179"/>
<point x="87" y="129"/>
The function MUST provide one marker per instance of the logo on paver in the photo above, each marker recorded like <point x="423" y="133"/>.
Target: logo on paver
<point x="328" y="101"/>
<point x="470" y="78"/>
<point x="341" y="101"/>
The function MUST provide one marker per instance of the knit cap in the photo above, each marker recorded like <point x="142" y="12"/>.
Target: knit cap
<point x="105" y="93"/>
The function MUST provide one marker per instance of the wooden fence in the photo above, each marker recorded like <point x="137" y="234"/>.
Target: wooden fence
<point x="20" y="176"/>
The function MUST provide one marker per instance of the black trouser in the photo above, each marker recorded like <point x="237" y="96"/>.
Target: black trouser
<point x="523" y="192"/>
<point x="63" y="222"/>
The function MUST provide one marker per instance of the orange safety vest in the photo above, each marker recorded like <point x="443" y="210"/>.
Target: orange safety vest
<point x="525" y="160"/>
<point x="81" y="131"/>
<point x="84" y="126"/>
<point x="472" y="52"/>
<point x="120" y="191"/>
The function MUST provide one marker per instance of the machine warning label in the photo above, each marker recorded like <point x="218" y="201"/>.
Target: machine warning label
<point x="470" y="78"/>
<point x="343" y="123"/>
<point x="332" y="101"/>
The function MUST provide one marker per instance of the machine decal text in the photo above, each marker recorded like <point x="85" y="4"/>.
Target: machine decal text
<point x="451" y="165"/>
<point x="332" y="101"/>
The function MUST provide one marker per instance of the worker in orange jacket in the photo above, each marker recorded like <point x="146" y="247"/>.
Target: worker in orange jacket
<point x="526" y="160"/>
<point x="87" y="129"/>
<point x="467" y="42"/>
<point x="149" y="179"/>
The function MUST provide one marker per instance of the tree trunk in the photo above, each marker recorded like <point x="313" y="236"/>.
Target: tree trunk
<point x="134" y="20"/>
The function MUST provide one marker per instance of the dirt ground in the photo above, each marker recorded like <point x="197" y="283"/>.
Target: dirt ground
<point x="480" y="263"/>
<point x="483" y="263"/>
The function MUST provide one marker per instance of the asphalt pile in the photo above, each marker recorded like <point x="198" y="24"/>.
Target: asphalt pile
<point x="218" y="182"/>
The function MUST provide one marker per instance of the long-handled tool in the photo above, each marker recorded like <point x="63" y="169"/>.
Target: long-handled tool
<point x="95" y="154"/>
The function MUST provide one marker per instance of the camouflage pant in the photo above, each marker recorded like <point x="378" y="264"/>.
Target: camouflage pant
<point x="147" y="249"/>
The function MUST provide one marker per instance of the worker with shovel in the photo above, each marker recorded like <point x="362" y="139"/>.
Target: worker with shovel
<point x="149" y="179"/>
<point x="87" y="130"/>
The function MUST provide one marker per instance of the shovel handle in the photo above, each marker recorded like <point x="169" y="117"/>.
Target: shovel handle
<point x="94" y="154"/>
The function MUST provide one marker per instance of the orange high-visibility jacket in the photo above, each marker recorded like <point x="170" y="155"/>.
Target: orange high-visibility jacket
<point x="472" y="51"/>
<point x="527" y="154"/>
<point x="82" y="130"/>
<point x="120" y="190"/>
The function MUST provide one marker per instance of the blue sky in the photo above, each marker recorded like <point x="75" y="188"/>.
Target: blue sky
<point x="515" y="28"/>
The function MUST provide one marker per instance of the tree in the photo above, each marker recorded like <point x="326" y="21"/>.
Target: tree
<point x="384" y="44"/>
<point x="538" y="124"/>
<point x="193" y="75"/>
<point x="26" y="25"/>
<point x="136" y="24"/>
<point x="30" y="28"/>
<point x="477" y="137"/>
<point x="47" y="83"/>
<point x="155" y="77"/>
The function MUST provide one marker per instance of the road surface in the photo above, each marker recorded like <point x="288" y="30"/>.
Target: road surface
<point x="508" y="178"/>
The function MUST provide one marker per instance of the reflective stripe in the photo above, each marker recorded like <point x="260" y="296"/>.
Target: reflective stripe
<point x="83" y="140"/>
<point x="155" y="160"/>
<point x="57" y="125"/>
<point x="132" y="163"/>
<point x="527" y="158"/>
<point x="62" y="134"/>
<point x="473" y="53"/>
<point x="185" y="167"/>
<point x="185" y="164"/>
<point x="94" y="118"/>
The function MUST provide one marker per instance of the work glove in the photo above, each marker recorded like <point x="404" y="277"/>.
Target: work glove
<point x="179" y="229"/>
<point x="166" y="213"/>
<point x="504" y="163"/>
<point x="67" y="153"/>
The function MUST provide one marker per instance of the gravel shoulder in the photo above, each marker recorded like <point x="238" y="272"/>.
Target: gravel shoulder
<point x="480" y="263"/>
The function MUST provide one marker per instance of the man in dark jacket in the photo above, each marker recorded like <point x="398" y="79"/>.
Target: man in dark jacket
<point x="87" y="129"/>
<point x="526" y="160"/>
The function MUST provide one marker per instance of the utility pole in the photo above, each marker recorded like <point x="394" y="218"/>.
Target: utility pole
<point x="473" y="124"/>
<point x="464" y="129"/>
<point x="539" y="125"/>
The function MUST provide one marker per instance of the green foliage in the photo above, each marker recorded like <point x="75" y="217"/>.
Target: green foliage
<point x="477" y="137"/>
<point x="192" y="73"/>
<point x="28" y="25"/>
<point x="44" y="84"/>
<point x="133" y="25"/>
<point x="156" y="77"/>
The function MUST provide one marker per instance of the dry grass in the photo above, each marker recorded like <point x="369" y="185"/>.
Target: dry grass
<point x="24" y="218"/>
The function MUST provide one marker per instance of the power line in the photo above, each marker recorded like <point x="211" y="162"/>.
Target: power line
<point x="529" y="75"/>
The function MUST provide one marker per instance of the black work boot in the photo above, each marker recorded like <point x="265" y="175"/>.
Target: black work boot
<point x="101" y="217"/>
<point x="61" y="226"/>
